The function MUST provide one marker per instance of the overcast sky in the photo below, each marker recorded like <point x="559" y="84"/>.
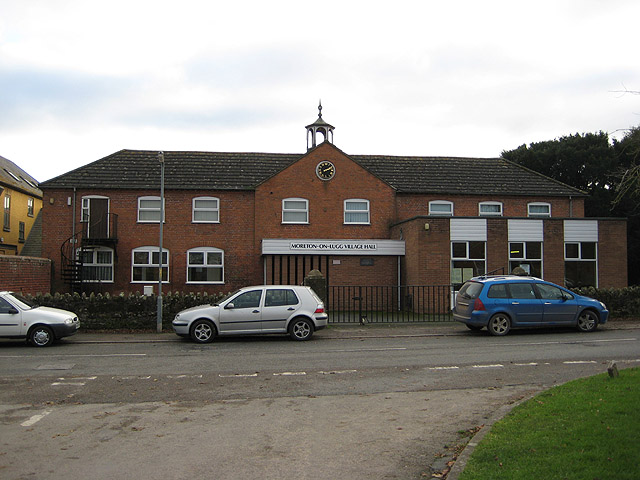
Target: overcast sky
<point x="80" y="80"/>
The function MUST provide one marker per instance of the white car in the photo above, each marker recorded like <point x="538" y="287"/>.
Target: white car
<point x="289" y="309"/>
<point x="20" y="318"/>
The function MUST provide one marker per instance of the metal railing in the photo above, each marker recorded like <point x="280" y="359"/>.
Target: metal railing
<point x="387" y="304"/>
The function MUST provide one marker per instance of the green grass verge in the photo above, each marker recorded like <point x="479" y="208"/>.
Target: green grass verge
<point x="586" y="429"/>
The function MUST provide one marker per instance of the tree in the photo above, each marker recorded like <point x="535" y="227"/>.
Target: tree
<point x="585" y="161"/>
<point x="628" y="186"/>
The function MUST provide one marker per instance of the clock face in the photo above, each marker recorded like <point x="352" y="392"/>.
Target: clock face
<point x="325" y="170"/>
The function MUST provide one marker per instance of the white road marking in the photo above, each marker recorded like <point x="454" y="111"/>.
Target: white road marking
<point x="577" y="362"/>
<point x="35" y="419"/>
<point x="289" y="374"/>
<point x="184" y="376"/>
<point x="337" y="372"/>
<point x="370" y="349"/>
<point x="444" y="368"/>
<point x="497" y="365"/>
<point x="531" y="364"/>
<point x="239" y="375"/>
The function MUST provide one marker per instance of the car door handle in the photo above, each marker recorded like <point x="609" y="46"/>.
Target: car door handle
<point x="256" y="311"/>
<point x="515" y="303"/>
<point x="547" y="303"/>
<point x="291" y="309"/>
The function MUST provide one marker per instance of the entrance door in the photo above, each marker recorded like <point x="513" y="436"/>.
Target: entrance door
<point x="95" y="216"/>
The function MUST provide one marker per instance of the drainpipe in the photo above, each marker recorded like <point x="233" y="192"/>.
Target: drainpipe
<point x="570" y="206"/>
<point x="73" y="227"/>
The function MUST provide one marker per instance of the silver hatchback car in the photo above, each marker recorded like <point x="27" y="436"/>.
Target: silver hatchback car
<point x="288" y="309"/>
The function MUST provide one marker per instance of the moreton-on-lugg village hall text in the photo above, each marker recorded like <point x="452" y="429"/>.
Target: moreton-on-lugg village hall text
<point x="238" y="219"/>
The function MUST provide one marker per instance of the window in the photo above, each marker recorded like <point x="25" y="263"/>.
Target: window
<point x="498" y="291"/>
<point x="539" y="209"/>
<point x="149" y="209"/>
<point x="467" y="261"/>
<point x="490" y="209"/>
<point x="522" y="291"/>
<point x="248" y="299"/>
<point x="526" y="255"/>
<point x="580" y="264"/>
<point x="278" y="298"/>
<point x="206" y="210"/>
<point x="441" y="207"/>
<point x="356" y="212"/>
<point x="97" y="265"/>
<point x="30" y="207"/>
<point x="21" y="232"/>
<point x="205" y="265"/>
<point x="549" y="292"/>
<point x="7" y="214"/>
<point x="144" y="265"/>
<point x="295" y="210"/>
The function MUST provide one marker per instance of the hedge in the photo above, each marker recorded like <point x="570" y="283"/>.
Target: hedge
<point x="124" y="311"/>
<point x="621" y="302"/>
<point x="139" y="312"/>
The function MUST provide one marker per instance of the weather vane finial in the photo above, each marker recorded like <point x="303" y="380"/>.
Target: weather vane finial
<point x="320" y="108"/>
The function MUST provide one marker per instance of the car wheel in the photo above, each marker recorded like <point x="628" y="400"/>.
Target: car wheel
<point x="203" y="331"/>
<point x="587" y="321"/>
<point x="301" y="329"/>
<point x="474" y="328"/>
<point x="499" y="324"/>
<point x="41" y="336"/>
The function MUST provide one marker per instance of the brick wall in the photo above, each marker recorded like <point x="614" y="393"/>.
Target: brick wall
<point x="26" y="275"/>
<point x="612" y="253"/>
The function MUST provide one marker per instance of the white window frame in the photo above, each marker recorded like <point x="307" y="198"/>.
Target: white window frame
<point x="149" y="209"/>
<point x="366" y="211"/>
<point x="95" y="264"/>
<point x="151" y="251"/>
<point x="304" y="210"/>
<point x="581" y="259"/>
<point x="490" y="213"/>
<point x="30" y="206"/>
<point x="205" y="251"/>
<point x="538" y="214"/>
<point x="195" y="209"/>
<point x="441" y="203"/>
<point x="467" y="258"/>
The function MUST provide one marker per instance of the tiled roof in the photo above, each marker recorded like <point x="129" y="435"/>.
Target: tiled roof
<point x="14" y="177"/>
<point x="456" y="175"/>
<point x="139" y="169"/>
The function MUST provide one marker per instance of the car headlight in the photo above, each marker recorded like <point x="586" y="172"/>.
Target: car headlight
<point x="603" y="306"/>
<point x="68" y="321"/>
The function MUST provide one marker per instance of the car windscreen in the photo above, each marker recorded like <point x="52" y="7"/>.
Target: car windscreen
<point x="470" y="290"/>
<point x="226" y="297"/>
<point x="22" y="302"/>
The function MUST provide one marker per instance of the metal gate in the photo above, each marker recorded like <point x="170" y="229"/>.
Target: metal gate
<point x="387" y="304"/>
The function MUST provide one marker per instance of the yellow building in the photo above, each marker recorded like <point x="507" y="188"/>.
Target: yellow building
<point x="21" y="206"/>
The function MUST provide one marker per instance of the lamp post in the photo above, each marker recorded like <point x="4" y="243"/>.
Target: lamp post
<point x="159" y="318"/>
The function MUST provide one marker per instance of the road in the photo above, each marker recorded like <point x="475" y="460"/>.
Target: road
<point x="349" y="404"/>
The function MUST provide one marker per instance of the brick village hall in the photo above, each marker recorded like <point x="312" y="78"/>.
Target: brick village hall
<point x="238" y="219"/>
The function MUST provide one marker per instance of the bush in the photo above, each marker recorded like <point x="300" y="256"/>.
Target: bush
<point x="124" y="311"/>
<point x="621" y="302"/>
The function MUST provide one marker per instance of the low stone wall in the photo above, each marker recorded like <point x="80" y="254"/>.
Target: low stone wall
<point x="26" y="275"/>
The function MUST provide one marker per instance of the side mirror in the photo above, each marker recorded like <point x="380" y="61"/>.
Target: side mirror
<point x="12" y="311"/>
<point x="229" y="306"/>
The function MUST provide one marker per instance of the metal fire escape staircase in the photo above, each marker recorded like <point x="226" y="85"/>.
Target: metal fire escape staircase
<point x="89" y="235"/>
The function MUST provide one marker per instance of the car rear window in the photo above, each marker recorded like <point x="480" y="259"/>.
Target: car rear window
<point x="470" y="290"/>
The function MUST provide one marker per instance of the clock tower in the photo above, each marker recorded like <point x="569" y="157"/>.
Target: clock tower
<point x="319" y="127"/>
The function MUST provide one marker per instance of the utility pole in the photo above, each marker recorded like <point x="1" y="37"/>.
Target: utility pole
<point x="159" y="318"/>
